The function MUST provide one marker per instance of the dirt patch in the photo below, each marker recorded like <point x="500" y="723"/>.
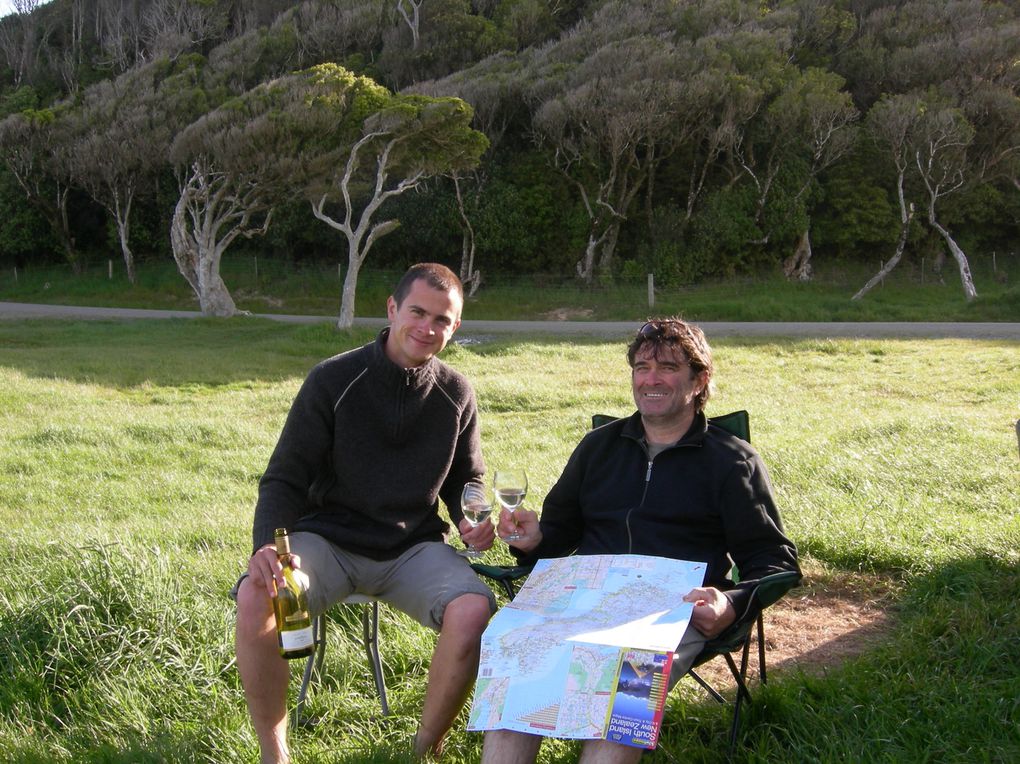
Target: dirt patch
<point x="831" y="617"/>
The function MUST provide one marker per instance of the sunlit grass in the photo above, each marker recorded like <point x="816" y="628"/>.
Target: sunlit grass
<point x="129" y="461"/>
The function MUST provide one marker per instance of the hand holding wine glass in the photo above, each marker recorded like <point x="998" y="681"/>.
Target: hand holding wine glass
<point x="476" y="506"/>
<point x="510" y="486"/>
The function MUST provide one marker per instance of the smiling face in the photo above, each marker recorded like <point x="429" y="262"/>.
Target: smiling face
<point x="422" y="324"/>
<point x="665" y="387"/>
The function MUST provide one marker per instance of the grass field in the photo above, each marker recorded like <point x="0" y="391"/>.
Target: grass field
<point x="129" y="460"/>
<point x="910" y="293"/>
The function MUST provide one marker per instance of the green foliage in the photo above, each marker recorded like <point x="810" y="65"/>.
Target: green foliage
<point x="732" y="88"/>
<point x="24" y="232"/>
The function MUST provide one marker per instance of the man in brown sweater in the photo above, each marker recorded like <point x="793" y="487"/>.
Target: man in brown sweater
<point x="375" y="437"/>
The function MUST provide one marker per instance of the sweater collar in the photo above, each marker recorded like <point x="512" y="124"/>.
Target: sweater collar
<point x="418" y="376"/>
<point x="695" y="435"/>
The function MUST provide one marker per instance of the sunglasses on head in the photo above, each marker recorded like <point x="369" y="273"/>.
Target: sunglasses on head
<point x="653" y="330"/>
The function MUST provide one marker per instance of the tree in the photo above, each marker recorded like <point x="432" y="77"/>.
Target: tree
<point x="928" y="139"/>
<point x="35" y="147"/>
<point x="940" y="156"/>
<point x="344" y="142"/>
<point x="118" y="131"/>
<point x="229" y="174"/>
<point x="608" y="122"/>
<point x="891" y="122"/>
<point x="364" y="160"/>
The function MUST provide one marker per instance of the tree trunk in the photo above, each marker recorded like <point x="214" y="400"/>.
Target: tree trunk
<point x="906" y="217"/>
<point x="469" y="277"/>
<point x="214" y="297"/>
<point x="798" y="265"/>
<point x="62" y="225"/>
<point x="346" y="318"/>
<point x="586" y="266"/>
<point x="182" y="246"/>
<point x="198" y="260"/>
<point x="609" y="247"/>
<point x="123" y="229"/>
<point x="961" y="258"/>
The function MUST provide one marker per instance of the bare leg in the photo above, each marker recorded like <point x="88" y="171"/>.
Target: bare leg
<point x="605" y="752"/>
<point x="453" y="670"/>
<point x="264" y="673"/>
<point x="506" y="747"/>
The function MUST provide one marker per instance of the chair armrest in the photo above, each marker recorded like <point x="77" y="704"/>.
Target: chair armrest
<point x="773" y="588"/>
<point x="767" y="591"/>
<point x="501" y="572"/>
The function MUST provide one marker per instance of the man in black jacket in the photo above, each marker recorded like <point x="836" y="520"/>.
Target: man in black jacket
<point x="661" y="482"/>
<point x="375" y="437"/>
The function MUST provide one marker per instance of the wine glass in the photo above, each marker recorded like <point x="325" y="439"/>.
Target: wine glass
<point x="510" y="486"/>
<point x="477" y="506"/>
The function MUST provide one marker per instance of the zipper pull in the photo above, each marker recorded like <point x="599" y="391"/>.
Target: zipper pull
<point x="648" y="475"/>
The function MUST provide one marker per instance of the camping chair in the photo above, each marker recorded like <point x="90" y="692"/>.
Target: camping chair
<point x="738" y="637"/>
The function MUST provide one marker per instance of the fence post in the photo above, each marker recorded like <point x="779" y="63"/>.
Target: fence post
<point x="15" y="274"/>
<point x="109" y="270"/>
<point x="256" y="259"/>
<point x="651" y="290"/>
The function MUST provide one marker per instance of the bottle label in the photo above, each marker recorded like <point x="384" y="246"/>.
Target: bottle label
<point x="297" y="639"/>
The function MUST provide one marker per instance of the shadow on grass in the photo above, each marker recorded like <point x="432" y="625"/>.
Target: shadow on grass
<point x="173" y="352"/>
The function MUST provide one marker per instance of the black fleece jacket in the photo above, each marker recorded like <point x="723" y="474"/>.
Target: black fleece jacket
<point x="705" y="499"/>
<point x="367" y="451"/>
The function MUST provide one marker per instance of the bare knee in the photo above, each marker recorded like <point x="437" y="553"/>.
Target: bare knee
<point x="254" y="611"/>
<point x="467" y="615"/>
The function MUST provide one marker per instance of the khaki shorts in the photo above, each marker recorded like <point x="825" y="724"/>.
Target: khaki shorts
<point x="421" y="582"/>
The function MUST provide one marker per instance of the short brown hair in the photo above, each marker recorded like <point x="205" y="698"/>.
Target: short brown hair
<point x="435" y="275"/>
<point x="675" y="333"/>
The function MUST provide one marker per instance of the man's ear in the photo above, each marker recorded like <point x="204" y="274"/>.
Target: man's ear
<point x="391" y="308"/>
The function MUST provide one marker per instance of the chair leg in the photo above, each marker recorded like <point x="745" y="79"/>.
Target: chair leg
<point x="370" y="630"/>
<point x="761" y="649"/>
<point x="740" y="676"/>
<point x="313" y="668"/>
<point x="706" y="686"/>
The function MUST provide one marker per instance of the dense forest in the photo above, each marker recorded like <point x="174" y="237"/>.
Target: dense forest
<point x="586" y="139"/>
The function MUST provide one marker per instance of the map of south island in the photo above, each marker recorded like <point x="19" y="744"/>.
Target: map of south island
<point x="551" y="659"/>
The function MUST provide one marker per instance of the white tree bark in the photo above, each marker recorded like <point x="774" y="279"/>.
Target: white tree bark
<point x="906" y="215"/>
<point x="359" y="230"/>
<point x="969" y="291"/>
<point x="212" y="211"/>
<point x="469" y="277"/>
<point x="413" y="19"/>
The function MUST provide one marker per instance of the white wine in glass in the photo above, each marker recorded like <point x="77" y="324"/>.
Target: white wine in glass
<point x="510" y="486"/>
<point x="476" y="506"/>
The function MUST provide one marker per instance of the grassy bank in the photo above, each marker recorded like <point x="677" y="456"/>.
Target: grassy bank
<point x="130" y="455"/>
<point x="260" y="286"/>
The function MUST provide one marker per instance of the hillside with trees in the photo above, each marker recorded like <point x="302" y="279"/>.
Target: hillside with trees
<point x="585" y="139"/>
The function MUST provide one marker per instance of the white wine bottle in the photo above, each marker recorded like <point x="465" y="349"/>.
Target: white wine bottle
<point x="293" y="623"/>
